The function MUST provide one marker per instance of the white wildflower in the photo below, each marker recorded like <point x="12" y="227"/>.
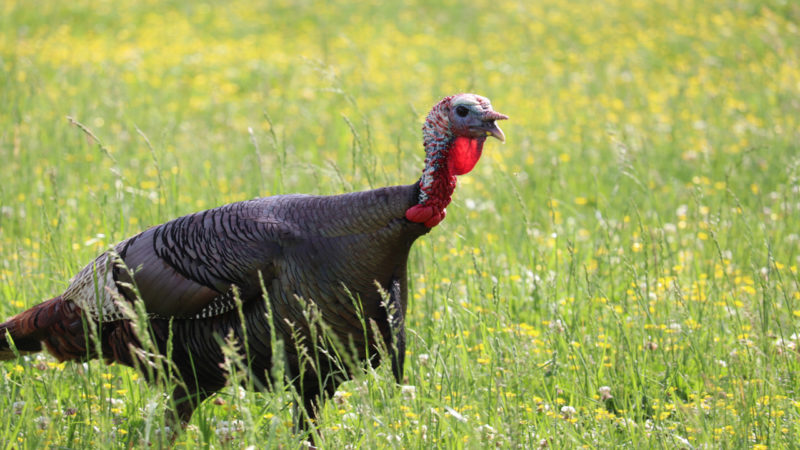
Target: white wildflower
<point x="42" y="422"/>
<point x="487" y="431"/>
<point x="785" y="345"/>
<point x="605" y="392"/>
<point x="409" y="391"/>
<point x="227" y="427"/>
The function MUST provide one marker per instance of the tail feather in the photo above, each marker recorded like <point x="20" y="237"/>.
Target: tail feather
<point x="29" y="329"/>
<point x="22" y="345"/>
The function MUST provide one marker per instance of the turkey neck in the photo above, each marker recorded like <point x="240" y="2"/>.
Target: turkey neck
<point x="438" y="180"/>
<point x="355" y="213"/>
<point x="445" y="157"/>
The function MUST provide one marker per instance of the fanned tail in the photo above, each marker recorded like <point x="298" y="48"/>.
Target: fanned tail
<point x="52" y="323"/>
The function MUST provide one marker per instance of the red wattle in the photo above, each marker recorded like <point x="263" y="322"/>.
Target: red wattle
<point x="427" y="215"/>
<point x="419" y="213"/>
<point x="464" y="154"/>
<point x="433" y="221"/>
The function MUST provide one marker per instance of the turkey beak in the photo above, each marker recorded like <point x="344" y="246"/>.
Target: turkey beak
<point x="490" y="126"/>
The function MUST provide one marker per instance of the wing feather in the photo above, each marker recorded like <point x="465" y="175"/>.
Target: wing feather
<point x="186" y="267"/>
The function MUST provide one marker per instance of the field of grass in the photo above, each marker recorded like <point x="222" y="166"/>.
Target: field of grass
<point x="622" y="272"/>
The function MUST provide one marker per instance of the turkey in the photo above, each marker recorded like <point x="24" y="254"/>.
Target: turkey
<point x="285" y="268"/>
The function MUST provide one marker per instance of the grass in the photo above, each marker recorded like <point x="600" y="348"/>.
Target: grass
<point x="622" y="273"/>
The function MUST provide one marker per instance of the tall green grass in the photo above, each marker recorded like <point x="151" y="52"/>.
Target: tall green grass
<point x="623" y="272"/>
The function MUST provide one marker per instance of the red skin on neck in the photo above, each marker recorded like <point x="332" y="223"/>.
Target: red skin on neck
<point x="464" y="154"/>
<point x="461" y="158"/>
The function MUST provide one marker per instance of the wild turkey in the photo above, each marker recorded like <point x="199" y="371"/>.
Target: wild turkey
<point x="344" y="254"/>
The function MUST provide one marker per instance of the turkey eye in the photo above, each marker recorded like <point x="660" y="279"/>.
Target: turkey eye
<point x="462" y="111"/>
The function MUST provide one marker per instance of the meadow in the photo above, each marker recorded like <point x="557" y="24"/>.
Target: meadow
<point x="623" y="272"/>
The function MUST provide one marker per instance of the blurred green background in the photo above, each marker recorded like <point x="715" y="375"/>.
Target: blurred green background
<point x="638" y="230"/>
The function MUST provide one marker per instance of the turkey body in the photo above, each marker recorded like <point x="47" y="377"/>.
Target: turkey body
<point x="343" y="256"/>
<point x="324" y="276"/>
